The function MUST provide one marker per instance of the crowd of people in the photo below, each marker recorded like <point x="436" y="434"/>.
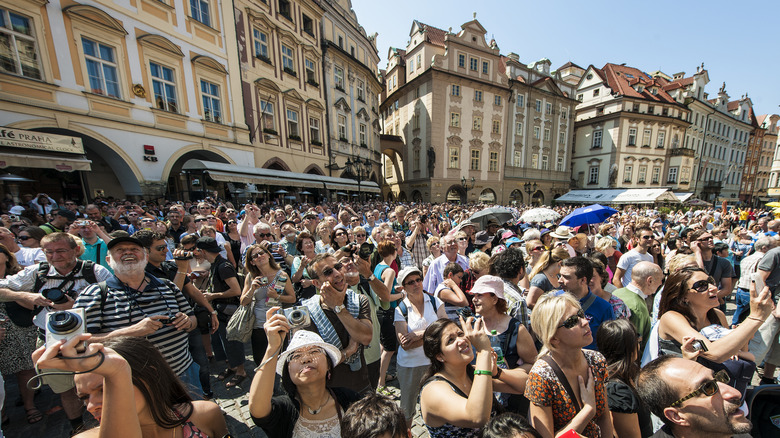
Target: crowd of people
<point x="497" y="327"/>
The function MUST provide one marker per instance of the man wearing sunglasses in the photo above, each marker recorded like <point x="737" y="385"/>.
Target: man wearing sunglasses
<point x="691" y="400"/>
<point x="622" y="277"/>
<point x="576" y="273"/>
<point x="342" y="318"/>
<point x="719" y="268"/>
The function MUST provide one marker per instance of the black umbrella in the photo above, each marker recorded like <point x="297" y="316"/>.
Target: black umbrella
<point x="500" y="214"/>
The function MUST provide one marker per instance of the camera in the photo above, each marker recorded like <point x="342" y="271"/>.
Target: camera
<point x="424" y="218"/>
<point x="187" y="256"/>
<point x="82" y="223"/>
<point x="56" y="296"/>
<point x="298" y="316"/>
<point x="699" y="346"/>
<point x="464" y="312"/>
<point x="168" y="319"/>
<point x="366" y="249"/>
<point x="64" y="324"/>
<point x="274" y="246"/>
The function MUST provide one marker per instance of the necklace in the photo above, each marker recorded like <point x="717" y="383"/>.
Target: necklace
<point x="317" y="411"/>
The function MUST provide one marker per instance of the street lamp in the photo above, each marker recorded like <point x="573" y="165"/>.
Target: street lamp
<point x="529" y="188"/>
<point x="465" y="184"/>
<point x="360" y="169"/>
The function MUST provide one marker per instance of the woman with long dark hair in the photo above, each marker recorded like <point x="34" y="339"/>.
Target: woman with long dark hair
<point x="132" y="391"/>
<point x="303" y="285"/>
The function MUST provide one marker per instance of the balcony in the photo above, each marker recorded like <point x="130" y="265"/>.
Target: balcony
<point x="713" y="185"/>
<point x="682" y="152"/>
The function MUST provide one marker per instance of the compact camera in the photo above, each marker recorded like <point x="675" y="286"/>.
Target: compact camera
<point x="298" y="316"/>
<point x="65" y="324"/>
<point x="82" y="223"/>
<point x="56" y="296"/>
<point x="699" y="346"/>
<point x="187" y="256"/>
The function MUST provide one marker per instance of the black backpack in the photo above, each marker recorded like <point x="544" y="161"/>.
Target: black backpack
<point x="764" y="410"/>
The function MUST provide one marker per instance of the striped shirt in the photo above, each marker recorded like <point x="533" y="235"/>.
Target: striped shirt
<point x="125" y="307"/>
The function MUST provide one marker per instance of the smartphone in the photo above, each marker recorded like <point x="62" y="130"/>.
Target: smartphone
<point x="758" y="281"/>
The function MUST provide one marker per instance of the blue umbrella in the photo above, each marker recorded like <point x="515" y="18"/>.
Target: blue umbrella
<point x="591" y="214"/>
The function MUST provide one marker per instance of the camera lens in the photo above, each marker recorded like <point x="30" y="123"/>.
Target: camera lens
<point x="297" y="317"/>
<point x="56" y="296"/>
<point x="62" y="322"/>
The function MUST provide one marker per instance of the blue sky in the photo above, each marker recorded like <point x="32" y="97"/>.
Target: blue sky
<point x="737" y="44"/>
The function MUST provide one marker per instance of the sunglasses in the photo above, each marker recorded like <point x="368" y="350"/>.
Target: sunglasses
<point x="327" y="272"/>
<point x="708" y="388"/>
<point x="647" y="237"/>
<point x="23" y="238"/>
<point x="702" y="286"/>
<point x="160" y="247"/>
<point x="265" y="234"/>
<point x="199" y="220"/>
<point x="462" y="239"/>
<point x="573" y="320"/>
<point x="415" y="281"/>
<point x="704" y="239"/>
<point x="258" y="254"/>
<point x="360" y="235"/>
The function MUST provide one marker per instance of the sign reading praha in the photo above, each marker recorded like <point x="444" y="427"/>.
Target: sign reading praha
<point x="40" y="141"/>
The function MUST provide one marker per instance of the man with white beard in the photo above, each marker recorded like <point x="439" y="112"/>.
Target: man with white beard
<point x="133" y="303"/>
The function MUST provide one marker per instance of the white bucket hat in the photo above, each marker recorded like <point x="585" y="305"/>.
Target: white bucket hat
<point x="305" y="338"/>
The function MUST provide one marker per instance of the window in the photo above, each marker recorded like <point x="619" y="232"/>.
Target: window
<point x="493" y="162"/>
<point x="642" y="174"/>
<point x="461" y="60"/>
<point x="559" y="166"/>
<point x="520" y="100"/>
<point x="267" y="117"/>
<point x="287" y="60"/>
<point x="596" y="140"/>
<point x="416" y="160"/>
<point x="636" y="108"/>
<point x="651" y="109"/>
<point x="261" y="45"/>
<point x="101" y="68"/>
<point x="518" y="159"/>
<point x="164" y="85"/>
<point x="545" y="162"/>
<point x="534" y="161"/>
<point x="284" y="9"/>
<point x="338" y="77"/>
<point x="496" y="126"/>
<point x="212" y="110"/>
<point x="419" y="61"/>
<point x="632" y="136"/>
<point x="311" y="73"/>
<point x="477" y="95"/>
<point x="519" y="128"/>
<point x="548" y="108"/>
<point x="564" y="113"/>
<point x="455" y="120"/>
<point x="593" y="175"/>
<point x="416" y="121"/>
<point x="477" y="123"/>
<point x="362" y="135"/>
<point x="200" y="11"/>
<point x="18" y="51"/>
<point x="308" y="25"/>
<point x="342" y="127"/>
<point x="656" y="175"/>
<point x="537" y="132"/>
<point x="454" y="162"/>
<point x="388" y="168"/>
<point x="628" y="173"/>
<point x="474" y="159"/>
<point x="546" y="134"/>
<point x="672" y="178"/>
<point x="579" y="97"/>
<point x="484" y="67"/>
<point x="411" y="66"/>
<point x="646" y="137"/>
<point x="561" y="138"/>
<point x="456" y="90"/>
<point x="473" y="63"/>
<point x="538" y="106"/>
<point x="314" y="131"/>
<point x="596" y="92"/>
<point x="292" y="124"/>
<point x="661" y="139"/>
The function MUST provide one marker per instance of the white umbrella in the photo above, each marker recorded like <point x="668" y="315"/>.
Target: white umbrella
<point x="540" y="215"/>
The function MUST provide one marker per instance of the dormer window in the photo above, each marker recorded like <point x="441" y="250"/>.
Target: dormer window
<point x="640" y="88"/>
<point x="654" y="90"/>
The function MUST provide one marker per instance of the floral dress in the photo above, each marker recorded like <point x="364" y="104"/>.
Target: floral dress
<point x="544" y="389"/>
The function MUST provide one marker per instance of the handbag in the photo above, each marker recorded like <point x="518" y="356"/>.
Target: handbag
<point x="239" y="327"/>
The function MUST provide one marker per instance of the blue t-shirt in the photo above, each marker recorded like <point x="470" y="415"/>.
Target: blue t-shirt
<point x="598" y="312"/>
<point x="378" y="274"/>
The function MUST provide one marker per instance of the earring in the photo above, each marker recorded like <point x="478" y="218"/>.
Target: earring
<point x="327" y="377"/>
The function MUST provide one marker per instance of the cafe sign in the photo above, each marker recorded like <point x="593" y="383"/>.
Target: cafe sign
<point x="40" y="141"/>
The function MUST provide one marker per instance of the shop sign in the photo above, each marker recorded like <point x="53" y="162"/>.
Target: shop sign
<point x="40" y="141"/>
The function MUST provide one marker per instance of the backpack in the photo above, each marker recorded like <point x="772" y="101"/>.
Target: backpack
<point x="22" y="316"/>
<point x="764" y="410"/>
<point x="405" y="310"/>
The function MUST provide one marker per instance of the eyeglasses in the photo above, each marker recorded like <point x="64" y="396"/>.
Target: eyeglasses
<point x="360" y="235"/>
<point x="702" y="286"/>
<point x="57" y="251"/>
<point x="415" y="281"/>
<point x="199" y="220"/>
<point x="258" y="254"/>
<point x="573" y="320"/>
<point x="647" y="236"/>
<point x="462" y="239"/>
<point x="230" y="211"/>
<point x="23" y="238"/>
<point x="264" y="234"/>
<point x="160" y="247"/>
<point x="708" y="388"/>
<point x="327" y="272"/>
<point x="307" y="355"/>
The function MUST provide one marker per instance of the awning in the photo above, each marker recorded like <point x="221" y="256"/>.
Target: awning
<point x="682" y="196"/>
<point x="618" y="196"/>
<point x="252" y="175"/>
<point x="45" y="161"/>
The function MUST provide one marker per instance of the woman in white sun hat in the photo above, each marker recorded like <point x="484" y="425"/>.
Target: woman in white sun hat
<point x="309" y="408"/>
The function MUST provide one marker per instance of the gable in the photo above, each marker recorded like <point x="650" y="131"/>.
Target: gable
<point x="590" y="78"/>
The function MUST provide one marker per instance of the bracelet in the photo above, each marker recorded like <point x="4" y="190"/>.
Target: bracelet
<point x="181" y="273"/>
<point x="498" y="374"/>
<point x="754" y="318"/>
<point x="483" y="373"/>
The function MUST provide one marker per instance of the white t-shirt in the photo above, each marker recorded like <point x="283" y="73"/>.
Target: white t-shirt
<point x="416" y="357"/>
<point x="29" y="256"/>
<point x="627" y="262"/>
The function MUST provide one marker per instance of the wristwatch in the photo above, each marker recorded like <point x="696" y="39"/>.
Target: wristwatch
<point x="339" y="308"/>
<point x="213" y="312"/>
<point x="372" y="277"/>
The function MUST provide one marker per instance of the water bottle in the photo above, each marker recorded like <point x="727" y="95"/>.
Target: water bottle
<point x="495" y="342"/>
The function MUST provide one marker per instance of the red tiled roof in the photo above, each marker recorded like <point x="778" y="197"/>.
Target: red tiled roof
<point x="434" y="35"/>
<point x="733" y="105"/>
<point x="761" y="119"/>
<point x="679" y="83"/>
<point x="569" y="64"/>
<point x="621" y="79"/>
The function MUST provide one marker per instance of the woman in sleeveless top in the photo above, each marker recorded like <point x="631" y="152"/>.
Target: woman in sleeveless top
<point x="456" y="399"/>
<point x="132" y="365"/>
<point x="267" y="285"/>
<point x="308" y="408"/>
<point x="303" y="284"/>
